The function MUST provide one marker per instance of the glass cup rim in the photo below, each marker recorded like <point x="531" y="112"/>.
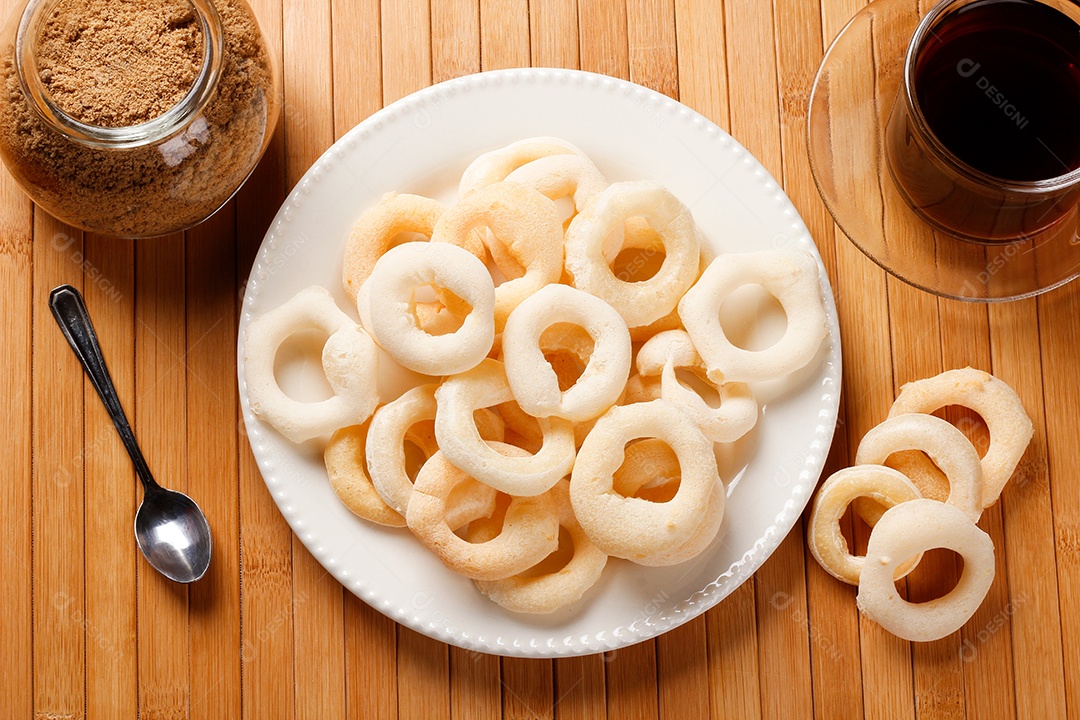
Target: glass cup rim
<point x="130" y="136"/>
<point x="941" y="152"/>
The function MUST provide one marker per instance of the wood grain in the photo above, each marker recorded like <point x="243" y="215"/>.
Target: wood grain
<point x="17" y="301"/>
<point x="59" y="620"/>
<point x="702" y="58"/>
<point x="269" y="634"/>
<point x="553" y="39"/>
<point x="211" y="389"/>
<point x="631" y="682"/>
<point x="504" y="34"/>
<point x="965" y="341"/>
<point x="650" y="30"/>
<point x="475" y="685"/>
<point x="527" y="689"/>
<point x="16" y="471"/>
<point x="160" y="420"/>
<point x="406" y="47"/>
<point x="455" y="38"/>
<point x="111" y="489"/>
<point x="1059" y="326"/>
<point x="682" y="671"/>
<point x="357" y="62"/>
<point x="603" y="49"/>
<point x="1033" y="610"/>
<point x="580" y="691"/>
<point x="733" y="656"/>
<point x="423" y="670"/>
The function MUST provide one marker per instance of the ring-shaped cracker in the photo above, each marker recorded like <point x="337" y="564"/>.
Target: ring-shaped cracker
<point x="639" y="303"/>
<point x="789" y="276"/>
<point x="884" y="485"/>
<point x="525" y="227"/>
<point x="519" y="475"/>
<point x="923" y="474"/>
<point x="904" y="531"/>
<point x="349" y="361"/>
<point x="650" y="470"/>
<point x="559" y="176"/>
<point x="373" y="233"/>
<point x="522" y="429"/>
<point x="344" y="460"/>
<point x="386" y="456"/>
<point x="639" y="235"/>
<point x="641" y="389"/>
<point x="998" y="404"/>
<point x="387" y="299"/>
<point x="395" y="423"/>
<point x="494" y="166"/>
<point x="380" y="227"/>
<point x="472" y="499"/>
<point x="547" y="593"/>
<point x="700" y="540"/>
<point x="530" y="529"/>
<point x="567" y="348"/>
<point x="944" y="444"/>
<point x="630" y="527"/>
<point x="534" y="381"/>
<point x="672" y="350"/>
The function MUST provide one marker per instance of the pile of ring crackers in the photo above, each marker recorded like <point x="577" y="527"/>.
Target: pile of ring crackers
<point x="920" y="484"/>
<point x="577" y="373"/>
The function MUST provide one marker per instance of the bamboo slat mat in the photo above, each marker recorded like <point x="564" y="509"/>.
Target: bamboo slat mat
<point x="87" y="630"/>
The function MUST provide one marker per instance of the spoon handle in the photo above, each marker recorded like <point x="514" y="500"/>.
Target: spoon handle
<point x="71" y="315"/>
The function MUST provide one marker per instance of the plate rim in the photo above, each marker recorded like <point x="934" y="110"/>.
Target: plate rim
<point x="641" y="629"/>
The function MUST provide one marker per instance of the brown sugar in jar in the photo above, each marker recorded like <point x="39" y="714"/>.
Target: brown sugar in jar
<point x="134" y="117"/>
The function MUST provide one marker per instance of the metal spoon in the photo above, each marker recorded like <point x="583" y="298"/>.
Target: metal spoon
<point x="171" y="530"/>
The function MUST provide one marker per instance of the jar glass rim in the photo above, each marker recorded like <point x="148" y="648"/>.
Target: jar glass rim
<point x="940" y="151"/>
<point x="144" y="133"/>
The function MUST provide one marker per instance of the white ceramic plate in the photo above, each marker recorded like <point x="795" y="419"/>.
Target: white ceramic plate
<point x="421" y="144"/>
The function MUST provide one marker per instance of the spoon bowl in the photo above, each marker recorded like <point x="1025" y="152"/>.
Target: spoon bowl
<point x="171" y="530"/>
<point x="173" y="535"/>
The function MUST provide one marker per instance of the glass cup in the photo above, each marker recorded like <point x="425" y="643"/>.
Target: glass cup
<point x="949" y="193"/>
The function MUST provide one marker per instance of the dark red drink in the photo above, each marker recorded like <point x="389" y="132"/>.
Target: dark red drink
<point x="985" y="137"/>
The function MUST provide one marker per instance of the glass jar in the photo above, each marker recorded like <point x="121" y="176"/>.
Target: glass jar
<point x="154" y="176"/>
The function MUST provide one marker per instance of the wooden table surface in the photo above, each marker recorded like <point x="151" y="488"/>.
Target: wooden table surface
<point x="87" y="630"/>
